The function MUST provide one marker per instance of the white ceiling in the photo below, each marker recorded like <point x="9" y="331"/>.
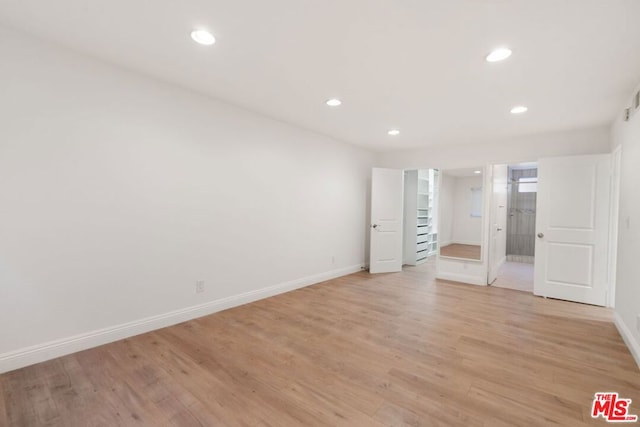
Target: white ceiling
<point x="415" y="65"/>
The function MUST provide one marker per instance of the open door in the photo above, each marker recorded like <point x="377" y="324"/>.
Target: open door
<point x="498" y="220"/>
<point x="387" y="187"/>
<point x="573" y="205"/>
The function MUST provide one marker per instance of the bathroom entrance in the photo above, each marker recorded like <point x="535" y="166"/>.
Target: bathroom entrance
<point x="517" y="270"/>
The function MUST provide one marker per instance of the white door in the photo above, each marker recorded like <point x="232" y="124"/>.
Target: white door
<point x="387" y="187"/>
<point x="573" y="206"/>
<point x="498" y="220"/>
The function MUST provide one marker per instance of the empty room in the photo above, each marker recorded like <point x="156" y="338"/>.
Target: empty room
<point x="319" y="213"/>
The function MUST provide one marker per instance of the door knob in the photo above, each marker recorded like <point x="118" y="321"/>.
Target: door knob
<point x="541" y="235"/>
<point x="499" y="229"/>
<point x="374" y="225"/>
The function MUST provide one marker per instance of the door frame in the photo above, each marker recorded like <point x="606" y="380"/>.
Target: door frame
<point x="494" y="214"/>
<point x="614" y="200"/>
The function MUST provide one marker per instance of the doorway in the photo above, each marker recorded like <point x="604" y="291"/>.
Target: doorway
<point x="568" y="226"/>
<point x="517" y="270"/>
<point x="420" y="214"/>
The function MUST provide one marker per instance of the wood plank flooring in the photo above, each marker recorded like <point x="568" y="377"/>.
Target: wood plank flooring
<point x="457" y="250"/>
<point x="361" y="350"/>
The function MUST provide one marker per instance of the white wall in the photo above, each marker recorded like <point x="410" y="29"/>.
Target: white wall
<point x="118" y="192"/>
<point x="513" y="150"/>
<point x="627" y="304"/>
<point x="445" y="208"/>
<point x="466" y="229"/>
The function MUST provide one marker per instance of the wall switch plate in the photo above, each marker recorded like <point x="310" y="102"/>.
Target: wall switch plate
<point x="638" y="323"/>
<point x="199" y="286"/>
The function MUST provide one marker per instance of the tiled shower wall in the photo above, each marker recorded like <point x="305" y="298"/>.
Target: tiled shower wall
<point x="521" y="220"/>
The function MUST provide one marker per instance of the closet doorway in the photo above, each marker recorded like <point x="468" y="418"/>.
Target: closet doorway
<point x="420" y="225"/>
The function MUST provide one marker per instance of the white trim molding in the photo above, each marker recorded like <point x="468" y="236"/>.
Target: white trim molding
<point x="527" y="259"/>
<point x="627" y="336"/>
<point x="465" y="242"/>
<point x="614" y="225"/>
<point x="50" y="350"/>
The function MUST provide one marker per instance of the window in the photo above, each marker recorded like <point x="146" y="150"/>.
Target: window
<point x="476" y="202"/>
<point x="528" y="185"/>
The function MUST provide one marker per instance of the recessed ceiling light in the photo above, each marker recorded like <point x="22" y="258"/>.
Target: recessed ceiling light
<point x="519" y="109"/>
<point x="334" y="102"/>
<point x="203" y="37"/>
<point x="499" y="54"/>
<point x="394" y="132"/>
<point x="477" y="171"/>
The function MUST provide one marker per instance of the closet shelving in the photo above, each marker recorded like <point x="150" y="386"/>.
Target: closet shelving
<point x="420" y="231"/>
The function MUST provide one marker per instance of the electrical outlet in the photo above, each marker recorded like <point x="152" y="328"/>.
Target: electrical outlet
<point x="333" y="259"/>
<point x="199" y="286"/>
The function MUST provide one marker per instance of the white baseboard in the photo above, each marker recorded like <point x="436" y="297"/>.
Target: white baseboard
<point x="521" y="258"/>
<point x="462" y="278"/>
<point x="465" y="242"/>
<point x="50" y="350"/>
<point x="627" y="336"/>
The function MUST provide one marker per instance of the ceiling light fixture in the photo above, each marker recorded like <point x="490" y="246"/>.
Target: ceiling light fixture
<point x="394" y="132"/>
<point x="477" y="171"/>
<point x="203" y="37"/>
<point x="334" y="102"/>
<point x="519" y="109"/>
<point x="499" y="54"/>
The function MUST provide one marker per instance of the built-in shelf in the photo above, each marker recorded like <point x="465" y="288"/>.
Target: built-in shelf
<point x="420" y="225"/>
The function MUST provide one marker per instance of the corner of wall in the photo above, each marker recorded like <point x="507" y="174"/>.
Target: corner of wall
<point x="627" y="336"/>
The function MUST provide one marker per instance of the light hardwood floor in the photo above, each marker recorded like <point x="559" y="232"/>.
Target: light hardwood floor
<point x="457" y="250"/>
<point x="362" y="350"/>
